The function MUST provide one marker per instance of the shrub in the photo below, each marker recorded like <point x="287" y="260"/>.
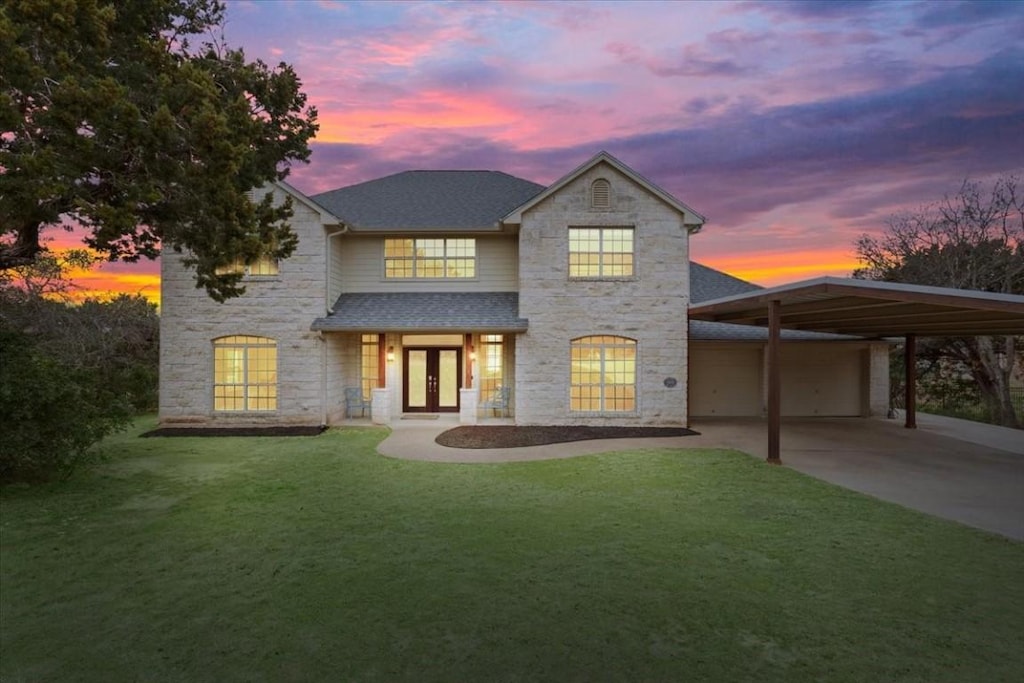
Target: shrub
<point x="52" y="413"/>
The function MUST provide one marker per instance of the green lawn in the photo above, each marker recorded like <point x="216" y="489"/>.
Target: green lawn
<point x="314" y="559"/>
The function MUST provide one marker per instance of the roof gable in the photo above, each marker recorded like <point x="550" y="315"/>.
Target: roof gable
<point x="429" y="201"/>
<point x="693" y="220"/>
<point x="326" y="216"/>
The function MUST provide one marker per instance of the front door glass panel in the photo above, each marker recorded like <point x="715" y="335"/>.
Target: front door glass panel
<point x="417" y="385"/>
<point x="448" y="378"/>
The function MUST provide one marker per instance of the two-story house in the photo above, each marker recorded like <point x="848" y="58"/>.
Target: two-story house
<point x="443" y="291"/>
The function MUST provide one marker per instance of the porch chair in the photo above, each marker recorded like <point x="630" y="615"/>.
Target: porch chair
<point x="499" y="400"/>
<point x="354" y="402"/>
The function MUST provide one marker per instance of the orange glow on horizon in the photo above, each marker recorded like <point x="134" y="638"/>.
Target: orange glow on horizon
<point x="771" y="269"/>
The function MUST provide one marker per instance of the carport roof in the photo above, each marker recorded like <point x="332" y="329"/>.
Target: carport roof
<point x="871" y="309"/>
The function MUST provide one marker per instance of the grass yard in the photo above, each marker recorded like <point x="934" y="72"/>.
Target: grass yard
<point x="314" y="559"/>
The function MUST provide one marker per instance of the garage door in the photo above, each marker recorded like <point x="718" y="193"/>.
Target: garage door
<point x="725" y="381"/>
<point x="821" y="380"/>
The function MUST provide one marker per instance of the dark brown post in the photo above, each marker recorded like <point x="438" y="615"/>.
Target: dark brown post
<point x="910" y="379"/>
<point x="382" y="362"/>
<point x="774" y="382"/>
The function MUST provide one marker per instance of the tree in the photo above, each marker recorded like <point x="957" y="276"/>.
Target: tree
<point x="973" y="240"/>
<point x="112" y="119"/>
<point x="69" y="373"/>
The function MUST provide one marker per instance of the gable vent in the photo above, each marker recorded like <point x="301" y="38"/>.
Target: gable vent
<point x="600" y="194"/>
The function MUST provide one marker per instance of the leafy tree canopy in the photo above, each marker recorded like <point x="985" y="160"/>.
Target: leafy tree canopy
<point x="973" y="240"/>
<point x="112" y="117"/>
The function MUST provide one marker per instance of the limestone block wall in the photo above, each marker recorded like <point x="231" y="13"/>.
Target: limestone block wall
<point x="650" y="307"/>
<point x="878" y="380"/>
<point x="342" y="370"/>
<point x="281" y="307"/>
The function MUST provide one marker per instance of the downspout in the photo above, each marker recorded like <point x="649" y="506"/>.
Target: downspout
<point x="328" y="304"/>
<point x="330" y="309"/>
<point x="323" y="378"/>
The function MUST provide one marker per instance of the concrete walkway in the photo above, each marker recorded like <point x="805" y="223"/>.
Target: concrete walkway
<point x="962" y="471"/>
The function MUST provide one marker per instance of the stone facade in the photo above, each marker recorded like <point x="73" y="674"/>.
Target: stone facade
<point x="280" y="307"/>
<point x="878" y="380"/>
<point x="531" y="254"/>
<point x="649" y="307"/>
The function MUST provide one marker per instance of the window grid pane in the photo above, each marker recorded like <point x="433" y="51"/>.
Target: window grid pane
<point x="369" y="365"/>
<point x="491" y="365"/>
<point x="430" y="258"/>
<point x="600" y="252"/>
<point x="603" y="374"/>
<point x="244" y="374"/>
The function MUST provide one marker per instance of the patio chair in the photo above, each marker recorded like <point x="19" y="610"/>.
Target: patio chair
<point x="499" y="401"/>
<point x="354" y="402"/>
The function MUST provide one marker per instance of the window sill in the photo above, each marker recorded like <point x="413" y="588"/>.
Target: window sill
<point x="609" y="278"/>
<point x="624" y="413"/>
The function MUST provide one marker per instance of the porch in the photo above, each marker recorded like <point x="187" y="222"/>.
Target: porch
<point x="422" y="353"/>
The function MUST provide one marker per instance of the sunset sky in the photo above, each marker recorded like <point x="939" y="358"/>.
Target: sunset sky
<point x="794" y="126"/>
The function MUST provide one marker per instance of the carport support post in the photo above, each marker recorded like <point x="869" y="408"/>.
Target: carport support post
<point x="910" y="380"/>
<point x="774" y="382"/>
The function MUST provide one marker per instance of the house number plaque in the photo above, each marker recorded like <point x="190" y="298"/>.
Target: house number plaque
<point x="670" y="382"/>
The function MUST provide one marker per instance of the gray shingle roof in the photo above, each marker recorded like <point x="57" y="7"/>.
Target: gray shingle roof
<point x="707" y="284"/>
<point x="424" y="311"/>
<point x="429" y="200"/>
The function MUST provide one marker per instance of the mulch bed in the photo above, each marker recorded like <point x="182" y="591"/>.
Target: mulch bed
<point x="508" y="436"/>
<point x="236" y="431"/>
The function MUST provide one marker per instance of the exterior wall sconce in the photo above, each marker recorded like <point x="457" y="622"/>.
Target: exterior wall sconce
<point x="391" y="354"/>
<point x="472" y="353"/>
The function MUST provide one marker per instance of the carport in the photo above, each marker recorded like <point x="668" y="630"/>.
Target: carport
<point x="863" y="308"/>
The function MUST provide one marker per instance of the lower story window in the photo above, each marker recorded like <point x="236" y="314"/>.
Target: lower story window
<point x="244" y="374"/>
<point x="491" y="365"/>
<point x="603" y="375"/>
<point x="369" y="364"/>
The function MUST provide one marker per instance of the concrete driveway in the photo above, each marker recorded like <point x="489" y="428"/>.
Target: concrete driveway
<point x="958" y="470"/>
<point x="978" y="482"/>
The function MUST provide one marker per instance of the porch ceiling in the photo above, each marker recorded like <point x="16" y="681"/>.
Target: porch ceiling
<point x="872" y="309"/>
<point x="496" y="312"/>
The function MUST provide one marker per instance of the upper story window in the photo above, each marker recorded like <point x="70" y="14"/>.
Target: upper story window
<point x="430" y="258"/>
<point x="600" y="194"/>
<point x="261" y="267"/>
<point x="600" y="252"/>
<point x="244" y="374"/>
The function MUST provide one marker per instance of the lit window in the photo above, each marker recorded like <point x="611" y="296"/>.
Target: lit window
<point x="430" y="258"/>
<point x="600" y="252"/>
<point x="603" y="375"/>
<point x="261" y="267"/>
<point x="491" y="364"/>
<point x="244" y="374"/>
<point x="370" y="364"/>
<point x="600" y="194"/>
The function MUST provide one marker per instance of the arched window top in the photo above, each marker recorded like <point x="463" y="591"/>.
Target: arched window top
<point x="600" y="194"/>
<point x="244" y="340"/>
<point x="605" y="339"/>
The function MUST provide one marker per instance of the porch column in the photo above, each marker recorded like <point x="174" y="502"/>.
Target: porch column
<point x="774" y="382"/>
<point x="910" y="380"/>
